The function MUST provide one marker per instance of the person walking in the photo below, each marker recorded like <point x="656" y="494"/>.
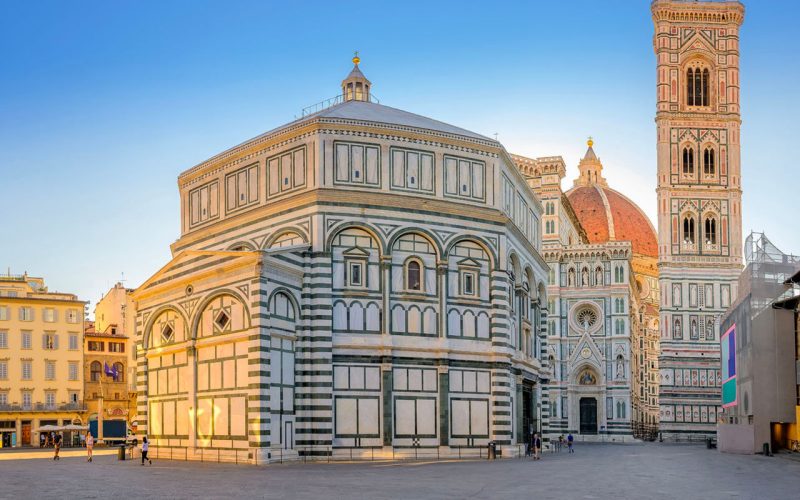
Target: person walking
<point x="537" y="447"/>
<point x="57" y="446"/>
<point x="145" y="447"/>
<point x="89" y="446"/>
<point x="570" y="440"/>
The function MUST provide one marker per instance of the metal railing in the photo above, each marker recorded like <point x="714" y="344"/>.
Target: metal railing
<point x="43" y="407"/>
<point x="327" y="103"/>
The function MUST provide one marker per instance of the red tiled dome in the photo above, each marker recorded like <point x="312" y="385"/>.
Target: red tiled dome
<point x="608" y="215"/>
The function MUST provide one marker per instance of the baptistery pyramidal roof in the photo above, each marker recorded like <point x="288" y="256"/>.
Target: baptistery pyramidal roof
<point x="606" y="214"/>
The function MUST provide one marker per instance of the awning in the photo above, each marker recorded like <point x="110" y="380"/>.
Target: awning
<point x="790" y="303"/>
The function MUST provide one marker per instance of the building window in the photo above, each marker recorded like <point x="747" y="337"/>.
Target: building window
<point x="95" y="346"/>
<point x="49" y="315"/>
<point x="27" y="399"/>
<point x="26" y="340"/>
<point x="26" y="314"/>
<point x="241" y="188"/>
<point x="120" y="371"/>
<point x="697" y="83"/>
<point x="711" y="231"/>
<point x="3" y="340"/>
<point x="27" y="373"/>
<point x="551" y="276"/>
<point x="3" y="370"/>
<point x="468" y="282"/>
<point x="50" y="370"/>
<point x="49" y="341"/>
<point x="73" y="397"/>
<point x="50" y="399"/>
<point x="95" y="370"/>
<point x="3" y="313"/>
<point x="619" y="274"/>
<point x="72" y="316"/>
<point x="688" y="230"/>
<point x="709" y="167"/>
<point x="117" y="346"/>
<point x="354" y="273"/>
<point x="167" y="334"/>
<point x="688" y="161"/>
<point x="619" y="305"/>
<point x="73" y="342"/>
<point x="3" y="398"/>
<point x="619" y="326"/>
<point x="413" y="276"/>
<point x="73" y="370"/>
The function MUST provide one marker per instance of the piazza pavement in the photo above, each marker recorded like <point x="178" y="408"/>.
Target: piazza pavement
<point x="595" y="471"/>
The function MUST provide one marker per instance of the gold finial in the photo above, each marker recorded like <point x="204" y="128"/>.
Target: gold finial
<point x="590" y="142"/>
<point x="356" y="59"/>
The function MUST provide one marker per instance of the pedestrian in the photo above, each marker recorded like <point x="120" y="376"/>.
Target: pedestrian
<point x="537" y="447"/>
<point x="145" y="447"/>
<point x="570" y="440"/>
<point x="89" y="445"/>
<point x="57" y="446"/>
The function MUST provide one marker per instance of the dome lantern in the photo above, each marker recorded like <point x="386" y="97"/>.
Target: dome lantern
<point x="356" y="86"/>
<point x="590" y="168"/>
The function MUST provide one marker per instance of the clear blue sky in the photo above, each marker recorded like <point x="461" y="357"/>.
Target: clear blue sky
<point x="103" y="104"/>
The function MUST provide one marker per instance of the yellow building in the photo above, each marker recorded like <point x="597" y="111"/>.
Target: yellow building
<point x="115" y="316"/>
<point x="106" y="395"/>
<point x="41" y="382"/>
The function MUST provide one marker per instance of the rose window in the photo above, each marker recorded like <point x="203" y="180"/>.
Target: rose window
<point x="587" y="317"/>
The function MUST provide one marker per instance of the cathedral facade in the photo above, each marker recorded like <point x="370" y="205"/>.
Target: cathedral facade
<point x="602" y="342"/>
<point x="362" y="281"/>
<point x="699" y="202"/>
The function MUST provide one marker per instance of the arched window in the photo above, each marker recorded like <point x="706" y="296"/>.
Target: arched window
<point x="95" y="370"/>
<point x="413" y="276"/>
<point x="120" y="371"/>
<point x="709" y="167"/>
<point x="711" y="231"/>
<point x="697" y="83"/>
<point x="688" y="161"/>
<point x="688" y="230"/>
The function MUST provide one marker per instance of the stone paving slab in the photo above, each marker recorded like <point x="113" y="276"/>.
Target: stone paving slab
<point x="594" y="471"/>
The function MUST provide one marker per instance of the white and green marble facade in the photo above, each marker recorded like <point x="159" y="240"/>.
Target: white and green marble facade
<point x="260" y="339"/>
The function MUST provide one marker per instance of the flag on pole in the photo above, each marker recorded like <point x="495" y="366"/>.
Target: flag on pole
<point x="111" y="371"/>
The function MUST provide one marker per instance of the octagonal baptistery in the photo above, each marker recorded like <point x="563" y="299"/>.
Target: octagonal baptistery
<point x="361" y="281"/>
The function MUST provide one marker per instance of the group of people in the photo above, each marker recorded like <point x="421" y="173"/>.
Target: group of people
<point x="534" y="448"/>
<point x="57" y="438"/>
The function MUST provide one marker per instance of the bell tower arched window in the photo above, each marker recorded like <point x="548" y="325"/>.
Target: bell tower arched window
<point x="711" y="231"/>
<point x="697" y="85"/>
<point x="688" y="230"/>
<point x="709" y="165"/>
<point x="688" y="161"/>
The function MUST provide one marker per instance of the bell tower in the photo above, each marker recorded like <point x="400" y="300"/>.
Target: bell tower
<point x="699" y="202"/>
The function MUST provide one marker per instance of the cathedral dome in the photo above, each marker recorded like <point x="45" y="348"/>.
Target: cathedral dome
<point x="607" y="215"/>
